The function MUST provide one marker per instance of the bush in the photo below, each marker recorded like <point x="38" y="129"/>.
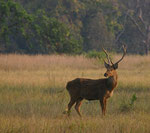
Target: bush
<point x="100" y="56"/>
<point x="128" y="106"/>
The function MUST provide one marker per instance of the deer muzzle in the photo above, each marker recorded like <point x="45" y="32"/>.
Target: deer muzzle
<point x="105" y="74"/>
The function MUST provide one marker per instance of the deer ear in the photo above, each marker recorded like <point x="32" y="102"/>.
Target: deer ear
<point x="115" y="66"/>
<point x="106" y="65"/>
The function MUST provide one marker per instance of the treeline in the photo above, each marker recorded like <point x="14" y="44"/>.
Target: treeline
<point x="74" y="26"/>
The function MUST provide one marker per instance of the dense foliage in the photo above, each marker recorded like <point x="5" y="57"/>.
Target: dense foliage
<point x="71" y="26"/>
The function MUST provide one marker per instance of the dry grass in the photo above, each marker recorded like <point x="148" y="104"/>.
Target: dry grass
<point x="33" y="95"/>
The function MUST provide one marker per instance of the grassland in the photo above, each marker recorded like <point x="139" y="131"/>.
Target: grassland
<point x="33" y="95"/>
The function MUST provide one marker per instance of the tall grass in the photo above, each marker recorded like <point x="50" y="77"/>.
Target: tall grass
<point x="33" y="95"/>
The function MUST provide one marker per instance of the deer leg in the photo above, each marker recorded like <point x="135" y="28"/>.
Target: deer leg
<point x="103" y="106"/>
<point x="105" y="101"/>
<point x="71" y="103"/>
<point x="78" y="105"/>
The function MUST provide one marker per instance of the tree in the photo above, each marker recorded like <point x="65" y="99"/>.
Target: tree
<point x="14" y="21"/>
<point x="68" y="25"/>
<point x="34" y="33"/>
<point x="137" y="27"/>
<point x="49" y="35"/>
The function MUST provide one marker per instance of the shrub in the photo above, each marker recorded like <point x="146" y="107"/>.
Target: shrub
<point x="127" y="106"/>
<point x="99" y="56"/>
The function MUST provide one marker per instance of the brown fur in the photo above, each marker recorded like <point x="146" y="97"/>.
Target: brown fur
<point x="90" y="89"/>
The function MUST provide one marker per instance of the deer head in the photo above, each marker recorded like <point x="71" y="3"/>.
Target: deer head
<point x="110" y="66"/>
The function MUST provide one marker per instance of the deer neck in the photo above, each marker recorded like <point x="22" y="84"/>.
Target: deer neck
<point x="112" y="82"/>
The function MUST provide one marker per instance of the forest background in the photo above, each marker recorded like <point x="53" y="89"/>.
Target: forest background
<point x="74" y="26"/>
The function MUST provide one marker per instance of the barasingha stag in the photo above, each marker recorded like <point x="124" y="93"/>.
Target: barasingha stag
<point x="91" y="89"/>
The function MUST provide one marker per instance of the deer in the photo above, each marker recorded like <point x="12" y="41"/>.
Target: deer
<point x="94" y="89"/>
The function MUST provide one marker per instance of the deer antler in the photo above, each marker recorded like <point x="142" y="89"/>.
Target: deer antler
<point x="124" y="53"/>
<point x="107" y="56"/>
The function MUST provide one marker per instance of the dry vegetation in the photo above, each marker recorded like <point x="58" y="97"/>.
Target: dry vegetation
<point x="33" y="95"/>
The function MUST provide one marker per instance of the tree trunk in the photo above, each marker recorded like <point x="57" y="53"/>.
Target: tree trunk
<point x="146" y="48"/>
<point x="147" y="41"/>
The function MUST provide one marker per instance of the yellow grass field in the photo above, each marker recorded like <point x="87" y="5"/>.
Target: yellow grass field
<point x="33" y="95"/>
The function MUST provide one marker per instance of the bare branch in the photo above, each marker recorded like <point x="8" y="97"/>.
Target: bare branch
<point x="121" y="33"/>
<point x="133" y="20"/>
<point x="141" y="18"/>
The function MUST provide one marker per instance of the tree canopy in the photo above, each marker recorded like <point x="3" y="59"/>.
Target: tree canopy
<point x="73" y="27"/>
